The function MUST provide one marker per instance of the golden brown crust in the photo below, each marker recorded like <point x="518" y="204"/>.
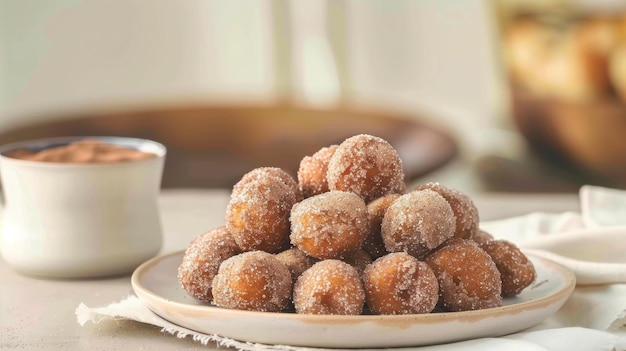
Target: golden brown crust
<point x="417" y="222"/>
<point x="468" y="278"/>
<point x="516" y="270"/>
<point x="265" y="172"/>
<point x="359" y="259"/>
<point x="367" y="166"/>
<point x="465" y="211"/>
<point x="376" y="209"/>
<point x="329" y="287"/>
<point x="312" y="172"/>
<point x="202" y="260"/>
<point x="258" y="214"/>
<point x="254" y="281"/>
<point x="482" y="236"/>
<point x="325" y="244"/>
<point x="329" y="225"/>
<point x="398" y="283"/>
<point x="296" y="261"/>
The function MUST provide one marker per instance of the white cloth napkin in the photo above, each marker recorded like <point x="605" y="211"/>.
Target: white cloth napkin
<point x="583" y="339"/>
<point x="594" y="318"/>
<point x="590" y="242"/>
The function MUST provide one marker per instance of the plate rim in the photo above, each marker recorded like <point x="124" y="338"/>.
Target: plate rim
<point x="569" y="284"/>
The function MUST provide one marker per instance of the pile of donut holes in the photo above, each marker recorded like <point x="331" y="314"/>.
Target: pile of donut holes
<point x="346" y="237"/>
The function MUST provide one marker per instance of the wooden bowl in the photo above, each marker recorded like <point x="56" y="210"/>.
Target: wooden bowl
<point x="589" y="138"/>
<point x="213" y="146"/>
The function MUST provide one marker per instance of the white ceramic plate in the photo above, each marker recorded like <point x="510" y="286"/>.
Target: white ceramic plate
<point x="155" y="282"/>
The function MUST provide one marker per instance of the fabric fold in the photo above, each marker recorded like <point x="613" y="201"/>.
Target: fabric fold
<point x="569" y="338"/>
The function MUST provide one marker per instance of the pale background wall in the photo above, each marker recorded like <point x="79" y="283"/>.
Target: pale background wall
<point x="71" y="54"/>
<point x="62" y="55"/>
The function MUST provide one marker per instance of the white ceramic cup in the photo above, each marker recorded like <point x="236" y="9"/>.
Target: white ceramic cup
<point x="70" y="220"/>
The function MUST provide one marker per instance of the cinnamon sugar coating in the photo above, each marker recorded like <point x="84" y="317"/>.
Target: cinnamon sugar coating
<point x="346" y="234"/>
<point x="367" y="166"/>
<point x="296" y="261"/>
<point x="417" y="222"/>
<point x="264" y="172"/>
<point x="468" y="278"/>
<point x="358" y="259"/>
<point x="329" y="225"/>
<point x="482" y="236"/>
<point x="329" y="287"/>
<point x="202" y="260"/>
<point x="398" y="283"/>
<point x="254" y="281"/>
<point x="258" y="214"/>
<point x="376" y="209"/>
<point x="516" y="270"/>
<point x="465" y="211"/>
<point x="312" y="171"/>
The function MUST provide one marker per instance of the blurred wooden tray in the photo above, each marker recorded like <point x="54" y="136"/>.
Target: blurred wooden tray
<point x="213" y="146"/>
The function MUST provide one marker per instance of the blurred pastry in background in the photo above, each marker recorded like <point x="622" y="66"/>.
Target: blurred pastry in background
<point x="617" y="70"/>
<point x="565" y="63"/>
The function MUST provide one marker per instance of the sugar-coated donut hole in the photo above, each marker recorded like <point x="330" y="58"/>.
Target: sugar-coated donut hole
<point x="376" y="209"/>
<point x="296" y="261"/>
<point x="398" y="283"/>
<point x="312" y="171"/>
<point x="417" y="222"/>
<point x="329" y="287"/>
<point x="254" y="281"/>
<point x="358" y="259"/>
<point x="468" y="278"/>
<point x="465" y="212"/>
<point x="347" y="208"/>
<point x="482" y="236"/>
<point x="516" y="270"/>
<point x="329" y="225"/>
<point x="202" y="259"/>
<point x="264" y="172"/>
<point x="367" y="166"/>
<point x="258" y="214"/>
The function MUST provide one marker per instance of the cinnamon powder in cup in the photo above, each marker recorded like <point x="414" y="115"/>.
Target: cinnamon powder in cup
<point x="82" y="151"/>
